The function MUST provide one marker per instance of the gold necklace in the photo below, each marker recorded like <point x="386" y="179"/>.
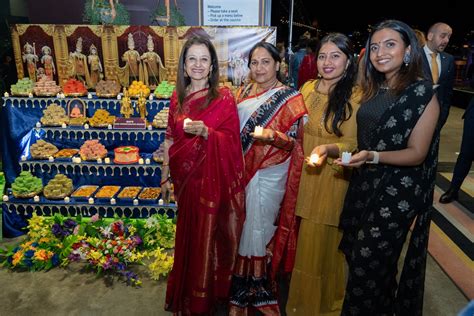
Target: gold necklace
<point x="262" y="93"/>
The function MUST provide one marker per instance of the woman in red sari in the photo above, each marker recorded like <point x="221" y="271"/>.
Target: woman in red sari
<point x="273" y="160"/>
<point x="204" y="159"/>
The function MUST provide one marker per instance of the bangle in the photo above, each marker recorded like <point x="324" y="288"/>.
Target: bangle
<point x="164" y="181"/>
<point x="375" y="159"/>
<point x="164" y="164"/>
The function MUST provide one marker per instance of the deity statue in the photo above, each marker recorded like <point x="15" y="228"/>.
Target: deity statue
<point x="78" y="65"/>
<point x="95" y="66"/>
<point x="126" y="105"/>
<point x="48" y="62"/>
<point x="133" y="67"/>
<point x="153" y="69"/>
<point x="30" y="58"/>
<point x="142" y="106"/>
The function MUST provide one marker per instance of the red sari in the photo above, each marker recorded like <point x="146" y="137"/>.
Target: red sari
<point x="207" y="176"/>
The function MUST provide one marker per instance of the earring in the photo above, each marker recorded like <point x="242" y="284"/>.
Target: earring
<point x="406" y="59"/>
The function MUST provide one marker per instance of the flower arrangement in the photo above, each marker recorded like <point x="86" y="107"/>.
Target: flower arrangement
<point x="108" y="247"/>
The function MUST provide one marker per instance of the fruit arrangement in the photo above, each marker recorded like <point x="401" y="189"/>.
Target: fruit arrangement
<point x="92" y="150"/>
<point x="137" y="88"/>
<point x="58" y="187"/>
<point x="164" y="90"/>
<point x="107" y="88"/>
<point x="42" y="150"/>
<point x="46" y="87"/>
<point x="54" y="115"/>
<point x="161" y="118"/>
<point x="74" y="87"/>
<point x="23" y="87"/>
<point x="26" y="185"/>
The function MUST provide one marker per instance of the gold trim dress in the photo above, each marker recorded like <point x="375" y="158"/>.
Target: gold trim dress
<point x="318" y="281"/>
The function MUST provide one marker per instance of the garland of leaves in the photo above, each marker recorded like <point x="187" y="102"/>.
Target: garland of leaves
<point x="91" y="14"/>
<point x="176" y="17"/>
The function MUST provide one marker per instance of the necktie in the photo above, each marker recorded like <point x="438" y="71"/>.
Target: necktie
<point x="434" y="68"/>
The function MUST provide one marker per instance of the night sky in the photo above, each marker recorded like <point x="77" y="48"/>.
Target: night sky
<point x="329" y="16"/>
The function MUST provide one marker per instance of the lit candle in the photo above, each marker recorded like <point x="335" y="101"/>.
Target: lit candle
<point x="63" y="125"/>
<point x="62" y="95"/>
<point x="58" y="95"/>
<point x="107" y="160"/>
<point x="346" y="157"/>
<point x="258" y="131"/>
<point x="86" y="126"/>
<point x="186" y="121"/>
<point x="6" y="95"/>
<point x="67" y="199"/>
<point x="141" y="161"/>
<point x="23" y="158"/>
<point x="51" y="159"/>
<point x="161" y="202"/>
<point x="36" y="198"/>
<point x="109" y="126"/>
<point x="91" y="200"/>
<point x="135" y="202"/>
<point x="30" y="95"/>
<point x="78" y="159"/>
<point x="119" y="97"/>
<point x="89" y="95"/>
<point x="147" y="161"/>
<point x="99" y="160"/>
<point x="5" y="198"/>
<point x="314" y="158"/>
<point x="150" y="97"/>
<point x="112" y="201"/>
<point x="38" y="124"/>
<point x="150" y="127"/>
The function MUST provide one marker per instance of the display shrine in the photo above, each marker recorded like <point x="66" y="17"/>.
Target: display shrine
<point x="87" y="118"/>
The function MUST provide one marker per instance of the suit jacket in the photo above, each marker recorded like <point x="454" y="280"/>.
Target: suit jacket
<point x="444" y="91"/>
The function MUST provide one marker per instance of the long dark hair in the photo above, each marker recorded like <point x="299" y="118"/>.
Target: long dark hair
<point x="271" y="49"/>
<point x="339" y="108"/>
<point x="372" y="79"/>
<point x="184" y="81"/>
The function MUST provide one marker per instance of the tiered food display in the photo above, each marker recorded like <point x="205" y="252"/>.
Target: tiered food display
<point x="59" y="187"/>
<point x="129" y="193"/>
<point x="74" y="87"/>
<point x="66" y="153"/>
<point x="164" y="90"/>
<point x="42" y="150"/>
<point x="84" y="191"/>
<point x="92" y="150"/>
<point x="161" y="118"/>
<point x="107" y="88"/>
<point x="54" y="115"/>
<point x="107" y="191"/>
<point x="23" y="87"/>
<point x="46" y="87"/>
<point x="137" y="88"/>
<point x="26" y="185"/>
<point x="101" y="118"/>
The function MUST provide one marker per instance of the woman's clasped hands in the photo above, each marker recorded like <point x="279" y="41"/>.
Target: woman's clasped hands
<point x="196" y="128"/>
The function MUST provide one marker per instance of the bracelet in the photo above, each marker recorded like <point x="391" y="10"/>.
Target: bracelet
<point x="164" y="181"/>
<point x="375" y="159"/>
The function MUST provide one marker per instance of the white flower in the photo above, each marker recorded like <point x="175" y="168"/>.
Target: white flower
<point x="403" y="206"/>
<point x="406" y="181"/>
<point x="421" y="108"/>
<point x="407" y="114"/>
<point x="151" y="222"/>
<point x="360" y="235"/>
<point x="397" y="139"/>
<point x="375" y="232"/>
<point x="365" y="252"/>
<point x="364" y="186"/>
<point x="403" y="99"/>
<point x="391" y="122"/>
<point x="359" y="271"/>
<point x="392" y="225"/>
<point x="391" y="190"/>
<point x="385" y="212"/>
<point x="381" y="145"/>
<point x="420" y="90"/>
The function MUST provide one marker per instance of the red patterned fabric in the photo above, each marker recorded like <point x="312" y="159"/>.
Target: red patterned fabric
<point x="207" y="175"/>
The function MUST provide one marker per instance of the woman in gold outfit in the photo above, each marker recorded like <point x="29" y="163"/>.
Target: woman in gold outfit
<point x="317" y="281"/>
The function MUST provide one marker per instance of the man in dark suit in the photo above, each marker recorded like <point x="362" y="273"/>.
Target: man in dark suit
<point x="439" y="66"/>
<point x="465" y="158"/>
